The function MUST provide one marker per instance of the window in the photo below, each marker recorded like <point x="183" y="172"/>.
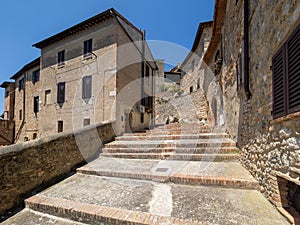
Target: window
<point x="34" y="136"/>
<point x="48" y="97"/>
<point x="20" y="114"/>
<point x="87" y="47"/>
<point x="87" y="87"/>
<point x="35" y="76"/>
<point x="191" y="89"/>
<point x="61" y="58"/>
<point x="60" y="126"/>
<point x="198" y="83"/>
<point x="21" y="84"/>
<point x="142" y="118"/>
<point x="86" y="122"/>
<point x="6" y="93"/>
<point x="61" y="92"/>
<point x="36" y="104"/>
<point x="286" y="82"/>
<point x="239" y="73"/>
<point x="147" y="71"/>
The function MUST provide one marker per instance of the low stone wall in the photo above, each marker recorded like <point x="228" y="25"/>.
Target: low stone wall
<point x="34" y="165"/>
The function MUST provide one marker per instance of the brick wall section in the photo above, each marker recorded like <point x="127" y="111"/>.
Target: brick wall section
<point x="36" y="164"/>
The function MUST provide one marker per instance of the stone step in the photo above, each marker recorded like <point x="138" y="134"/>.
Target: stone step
<point x="216" y="143"/>
<point x="222" y="150"/>
<point x="172" y="156"/>
<point x="30" y="217"/>
<point x="95" y="214"/>
<point x="185" y="126"/>
<point x="225" y="174"/>
<point x="189" y="130"/>
<point x="94" y="200"/>
<point x="171" y="137"/>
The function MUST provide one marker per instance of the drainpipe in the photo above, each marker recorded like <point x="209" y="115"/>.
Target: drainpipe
<point x="143" y="67"/>
<point x="246" y="49"/>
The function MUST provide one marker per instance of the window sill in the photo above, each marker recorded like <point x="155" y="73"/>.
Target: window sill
<point x="87" y="56"/>
<point x="292" y="116"/>
<point x="61" y="65"/>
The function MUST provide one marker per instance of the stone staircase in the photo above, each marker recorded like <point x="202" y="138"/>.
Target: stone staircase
<point x="174" y="174"/>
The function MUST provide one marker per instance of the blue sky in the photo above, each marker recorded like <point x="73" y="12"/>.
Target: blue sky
<point x="24" y="23"/>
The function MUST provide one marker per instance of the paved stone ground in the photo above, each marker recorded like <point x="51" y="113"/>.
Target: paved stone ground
<point x="205" y="204"/>
<point x="29" y="217"/>
<point x="179" y="192"/>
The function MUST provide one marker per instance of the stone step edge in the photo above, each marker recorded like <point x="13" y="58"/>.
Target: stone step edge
<point x="117" y="144"/>
<point x="174" y="156"/>
<point x="185" y="179"/>
<point x="92" y="214"/>
<point x="176" y="136"/>
<point x="222" y="150"/>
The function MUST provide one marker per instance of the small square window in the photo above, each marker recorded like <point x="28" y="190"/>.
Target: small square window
<point x="86" y="122"/>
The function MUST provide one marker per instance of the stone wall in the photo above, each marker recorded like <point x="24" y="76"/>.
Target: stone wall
<point x="270" y="148"/>
<point x="33" y="165"/>
<point x="188" y="108"/>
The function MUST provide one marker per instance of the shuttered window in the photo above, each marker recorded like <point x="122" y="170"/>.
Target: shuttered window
<point x="61" y="92"/>
<point x="286" y="77"/>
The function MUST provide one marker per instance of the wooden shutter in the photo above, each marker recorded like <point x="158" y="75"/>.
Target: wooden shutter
<point x="279" y="90"/>
<point x="293" y="71"/>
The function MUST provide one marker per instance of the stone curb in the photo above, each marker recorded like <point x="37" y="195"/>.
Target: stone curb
<point x="88" y="213"/>
<point x="178" y="178"/>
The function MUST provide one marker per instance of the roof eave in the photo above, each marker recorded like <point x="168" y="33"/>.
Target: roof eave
<point x="28" y="66"/>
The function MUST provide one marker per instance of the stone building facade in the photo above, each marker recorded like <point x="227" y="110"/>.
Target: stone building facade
<point x="192" y="68"/>
<point x="88" y="74"/>
<point x="7" y="123"/>
<point x="27" y="102"/>
<point x="253" y="64"/>
<point x="9" y="98"/>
